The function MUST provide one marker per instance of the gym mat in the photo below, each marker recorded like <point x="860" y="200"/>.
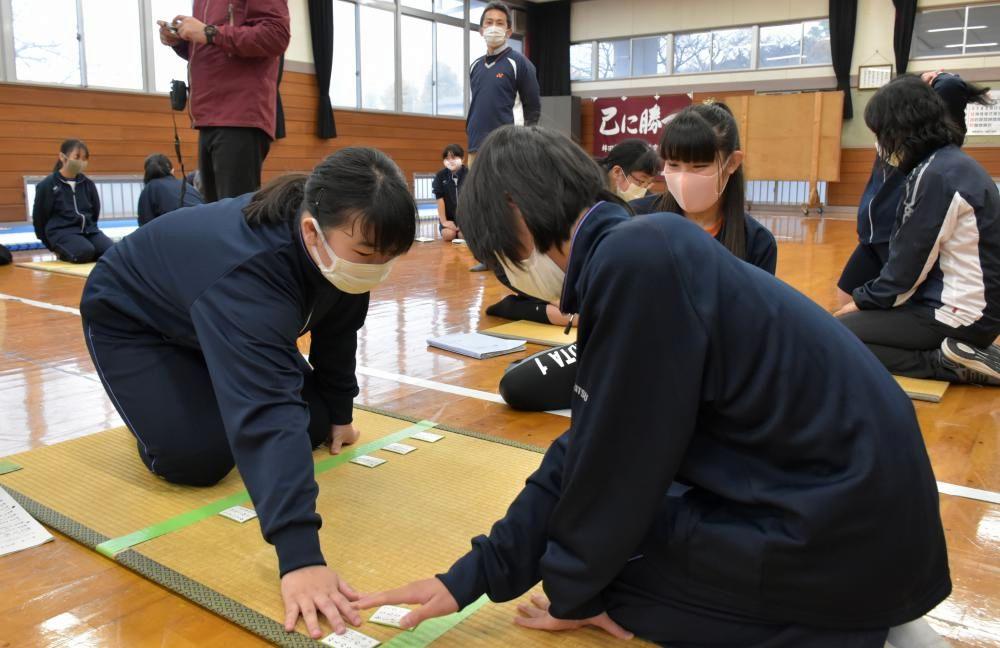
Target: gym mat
<point x="543" y="334"/>
<point x="924" y="390"/>
<point x="60" y="267"/>
<point x="407" y="519"/>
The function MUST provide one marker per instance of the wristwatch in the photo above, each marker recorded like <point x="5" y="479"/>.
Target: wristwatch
<point x="210" y="32"/>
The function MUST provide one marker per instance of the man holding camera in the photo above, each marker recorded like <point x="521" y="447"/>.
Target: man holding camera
<point x="234" y="50"/>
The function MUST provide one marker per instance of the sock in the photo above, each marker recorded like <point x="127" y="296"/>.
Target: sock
<point x="515" y="307"/>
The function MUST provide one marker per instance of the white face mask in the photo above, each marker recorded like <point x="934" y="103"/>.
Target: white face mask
<point x="347" y="276"/>
<point x="495" y="36"/>
<point x="540" y="278"/>
<point x="631" y="192"/>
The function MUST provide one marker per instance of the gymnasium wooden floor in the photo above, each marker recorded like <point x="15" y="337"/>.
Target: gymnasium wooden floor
<point x="60" y="594"/>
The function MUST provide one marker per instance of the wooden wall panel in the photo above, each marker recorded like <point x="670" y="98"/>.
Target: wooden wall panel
<point x="856" y="166"/>
<point x="121" y="129"/>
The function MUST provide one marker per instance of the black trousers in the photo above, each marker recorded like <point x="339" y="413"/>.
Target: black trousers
<point x="5" y="256"/>
<point x="164" y="394"/>
<point x="230" y="160"/>
<point x="540" y="382"/>
<point x="638" y="601"/>
<point x="77" y="247"/>
<point x="865" y="264"/>
<point x="907" y="340"/>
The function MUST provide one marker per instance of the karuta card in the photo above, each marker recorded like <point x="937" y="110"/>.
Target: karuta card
<point x="238" y="514"/>
<point x="399" y="448"/>
<point x="368" y="461"/>
<point x="389" y="615"/>
<point x="350" y="639"/>
<point x="428" y="437"/>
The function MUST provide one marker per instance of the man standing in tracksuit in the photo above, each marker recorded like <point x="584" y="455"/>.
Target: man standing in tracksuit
<point x="234" y="50"/>
<point x="503" y="85"/>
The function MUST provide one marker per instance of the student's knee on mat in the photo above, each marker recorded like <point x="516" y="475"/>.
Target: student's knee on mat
<point x="194" y="473"/>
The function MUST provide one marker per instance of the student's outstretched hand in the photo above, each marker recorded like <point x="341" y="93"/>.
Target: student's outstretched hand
<point x="537" y="617"/>
<point x="849" y="307"/>
<point x="310" y="591"/>
<point x="341" y="435"/>
<point x="431" y="595"/>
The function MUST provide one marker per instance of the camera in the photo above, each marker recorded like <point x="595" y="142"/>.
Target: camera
<point x="178" y="95"/>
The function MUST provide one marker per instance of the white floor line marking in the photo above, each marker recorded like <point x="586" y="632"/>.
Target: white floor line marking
<point x="943" y="487"/>
<point x="38" y="304"/>
<point x="969" y="493"/>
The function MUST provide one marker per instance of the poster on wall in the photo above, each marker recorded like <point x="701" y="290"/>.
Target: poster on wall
<point x="984" y="120"/>
<point x="621" y="118"/>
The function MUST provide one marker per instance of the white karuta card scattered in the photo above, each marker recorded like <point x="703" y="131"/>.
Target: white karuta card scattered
<point x="350" y="639"/>
<point x="368" y="461"/>
<point x="389" y="615"/>
<point x="399" y="448"/>
<point x="428" y="437"/>
<point x="238" y="514"/>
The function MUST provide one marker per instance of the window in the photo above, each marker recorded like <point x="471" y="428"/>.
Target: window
<point x="378" y="59"/>
<point x="806" y="43"/>
<point x="417" y="41"/>
<point x="112" y="43"/>
<point x="451" y="70"/>
<point x="816" y="43"/>
<point x="166" y="64"/>
<point x="581" y="62"/>
<point x="780" y="45"/>
<point x="45" y="42"/>
<point x="692" y="52"/>
<point x="425" y="5"/>
<point x="957" y="31"/>
<point x="453" y="8"/>
<point x="613" y="59"/>
<point x="344" y="73"/>
<point x="650" y="55"/>
<point x="731" y="48"/>
<point x="477" y="46"/>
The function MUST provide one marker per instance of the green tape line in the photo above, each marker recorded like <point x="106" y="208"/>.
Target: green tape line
<point x="429" y="631"/>
<point x="115" y="546"/>
<point x="7" y="466"/>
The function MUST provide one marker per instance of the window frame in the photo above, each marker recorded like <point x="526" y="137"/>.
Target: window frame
<point x="965" y="32"/>
<point x="672" y="43"/>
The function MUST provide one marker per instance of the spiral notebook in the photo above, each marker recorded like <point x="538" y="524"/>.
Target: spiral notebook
<point x="476" y="345"/>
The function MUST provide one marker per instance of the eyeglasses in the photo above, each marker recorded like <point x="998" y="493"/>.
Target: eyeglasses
<point x="645" y="184"/>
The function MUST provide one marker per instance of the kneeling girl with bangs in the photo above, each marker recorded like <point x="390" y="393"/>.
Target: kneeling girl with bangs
<point x="703" y="167"/>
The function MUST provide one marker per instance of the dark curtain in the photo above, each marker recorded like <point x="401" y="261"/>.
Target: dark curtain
<point x="902" y="35"/>
<point x="321" y="28"/>
<point x="548" y="46"/>
<point x="279" y="121"/>
<point x="843" y="16"/>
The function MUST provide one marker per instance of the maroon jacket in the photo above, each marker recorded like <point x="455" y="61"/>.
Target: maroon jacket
<point x="234" y="81"/>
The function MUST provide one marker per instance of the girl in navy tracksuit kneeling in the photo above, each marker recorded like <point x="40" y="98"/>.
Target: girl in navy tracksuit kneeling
<point x="711" y="491"/>
<point x="67" y="207"/>
<point x="162" y="192"/>
<point x="933" y="311"/>
<point x="192" y="324"/>
<point x="700" y="148"/>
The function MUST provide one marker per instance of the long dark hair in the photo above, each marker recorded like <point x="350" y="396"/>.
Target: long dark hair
<point x="708" y="133"/>
<point x="355" y="182"/>
<point x="910" y="121"/>
<point x="548" y="177"/>
<point x="67" y="148"/>
<point x="632" y="155"/>
<point x="156" y="166"/>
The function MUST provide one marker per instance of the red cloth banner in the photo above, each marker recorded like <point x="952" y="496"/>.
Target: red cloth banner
<point x="617" y="119"/>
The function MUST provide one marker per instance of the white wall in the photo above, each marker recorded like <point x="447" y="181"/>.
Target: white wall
<point x="300" y="48"/>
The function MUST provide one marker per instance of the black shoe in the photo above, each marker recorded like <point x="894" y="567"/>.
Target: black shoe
<point x="984" y="361"/>
<point x="479" y="267"/>
<point x="515" y="307"/>
<point x="964" y="375"/>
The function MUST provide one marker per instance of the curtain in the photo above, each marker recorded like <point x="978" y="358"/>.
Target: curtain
<point x="321" y="29"/>
<point x="548" y="46"/>
<point x="279" y="113"/>
<point x="902" y="35"/>
<point x="843" y="16"/>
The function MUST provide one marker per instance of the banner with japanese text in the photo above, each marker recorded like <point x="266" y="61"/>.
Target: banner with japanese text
<point x="617" y="118"/>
